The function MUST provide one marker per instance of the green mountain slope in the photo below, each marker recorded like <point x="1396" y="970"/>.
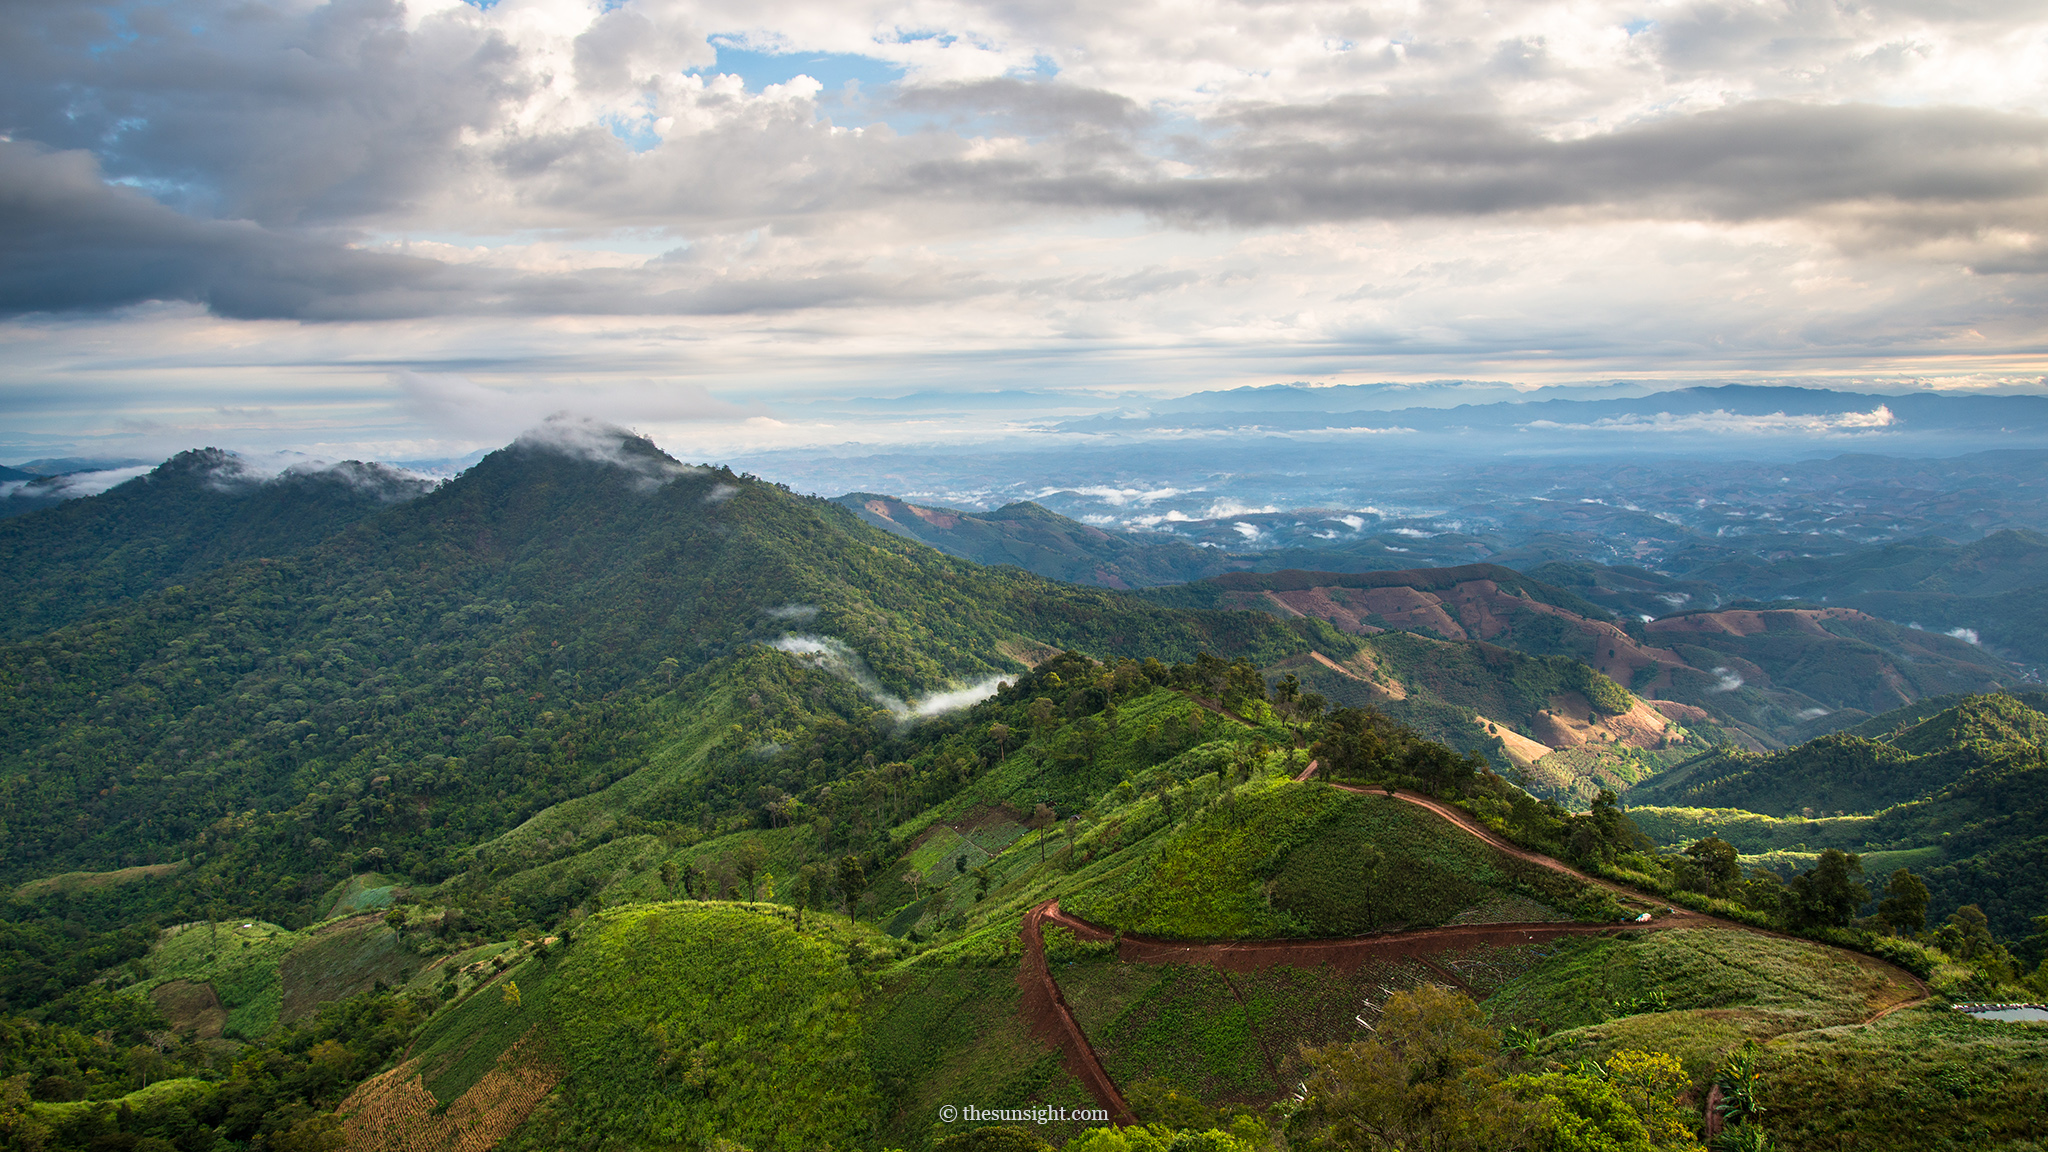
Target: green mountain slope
<point x="196" y="512"/>
<point x="443" y="669"/>
<point x="1961" y="796"/>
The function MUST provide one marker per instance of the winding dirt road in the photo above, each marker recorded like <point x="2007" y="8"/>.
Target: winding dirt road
<point x="1046" y="1012"/>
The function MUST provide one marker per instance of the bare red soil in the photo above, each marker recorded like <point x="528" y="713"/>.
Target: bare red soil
<point x="1046" y="1012"/>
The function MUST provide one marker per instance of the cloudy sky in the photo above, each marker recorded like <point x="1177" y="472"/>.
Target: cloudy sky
<point x="408" y="229"/>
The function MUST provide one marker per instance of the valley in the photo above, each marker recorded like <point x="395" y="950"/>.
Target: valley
<point x="594" y="799"/>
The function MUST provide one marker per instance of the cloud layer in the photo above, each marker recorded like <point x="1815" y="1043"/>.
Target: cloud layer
<point x="567" y="190"/>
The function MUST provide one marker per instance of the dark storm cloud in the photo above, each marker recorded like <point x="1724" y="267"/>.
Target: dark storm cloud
<point x="71" y="241"/>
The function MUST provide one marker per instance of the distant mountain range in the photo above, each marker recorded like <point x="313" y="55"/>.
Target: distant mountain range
<point x="1685" y="414"/>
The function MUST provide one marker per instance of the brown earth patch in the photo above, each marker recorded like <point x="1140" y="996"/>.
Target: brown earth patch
<point x="1524" y="751"/>
<point x="1685" y="713"/>
<point x="1409" y="608"/>
<point x="1639" y="727"/>
<point x="1390" y="689"/>
<point x="934" y="517"/>
<point x="1274" y="599"/>
<point x="190" y="1006"/>
<point x="395" y="1112"/>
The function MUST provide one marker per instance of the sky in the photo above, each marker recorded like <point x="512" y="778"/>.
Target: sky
<point x="405" y="230"/>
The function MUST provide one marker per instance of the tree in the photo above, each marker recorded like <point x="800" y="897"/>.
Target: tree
<point x="1425" y="1080"/>
<point x="747" y="860"/>
<point x="1718" y="867"/>
<point x="1603" y="833"/>
<point x="1904" y="907"/>
<point x="1296" y="708"/>
<point x="915" y="879"/>
<point x="1042" y="817"/>
<point x="1967" y="934"/>
<point x="1359" y="743"/>
<point x="853" y="879"/>
<point x="1828" y="895"/>
<point x="668" y="876"/>
<point x="1000" y="733"/>
<point x="511" y="994"/>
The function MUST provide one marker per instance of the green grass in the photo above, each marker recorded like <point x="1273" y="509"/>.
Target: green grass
<point x="240" y="962"/>
<point x="1934" y="1079"/>
<point x="1189" y="1029"/>
<point x="1282" y="859"/>
<point x="338" y="962"/>
<point x="460" y="1045"/>
<point x="359" y="893"/>
<point x="1750" y="832"/>
<point x="685" y="1021"/>
<point x="1695" y="993"/>
<point x="1292" y="1007"/>
<point x="184" y="1091"/>
<point x="1592" y="979"/>
<point x="940" y="1036"/>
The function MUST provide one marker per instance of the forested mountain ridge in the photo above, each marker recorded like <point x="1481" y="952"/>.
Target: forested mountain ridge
<point x="196" y="512"/>
<point x="1961" y="795"/>
<point x="441" y="669"/>
<point x="595" y="799"/>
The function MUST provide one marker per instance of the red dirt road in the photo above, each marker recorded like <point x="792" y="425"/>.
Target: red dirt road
<point x="1045" y="1010"/>
<point x="1676" y="917"/>
<point x="1345" y="954"/>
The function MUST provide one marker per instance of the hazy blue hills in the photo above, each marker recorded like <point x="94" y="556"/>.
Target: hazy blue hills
<point x="1039" y="540"/>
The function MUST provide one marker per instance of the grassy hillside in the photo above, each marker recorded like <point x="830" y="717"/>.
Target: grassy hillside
<point x="1293" y="860"/>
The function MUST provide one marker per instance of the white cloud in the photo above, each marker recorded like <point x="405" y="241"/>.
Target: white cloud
<point x="1966" y="635"/>
<point x="542" y="205"/>
<point x="1726" y="679"/>
<point x="1723" y="422"/>
<point x="836" y="658"/>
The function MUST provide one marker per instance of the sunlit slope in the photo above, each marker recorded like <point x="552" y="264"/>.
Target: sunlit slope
<point x="1956" y="796"/>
